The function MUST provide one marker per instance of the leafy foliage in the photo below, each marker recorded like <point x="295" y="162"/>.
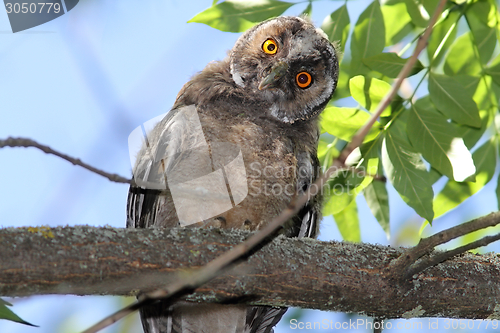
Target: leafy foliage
<point x="6" y="313"/>
<point x="449" y="131"/>
<point x="237" y="16"/>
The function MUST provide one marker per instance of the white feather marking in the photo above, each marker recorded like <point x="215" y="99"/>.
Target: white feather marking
<point x="303" y="45"/>
<point x="237" y="77"/>
<point x="326" y="92"/>
<point x="321" y="33"/>
<point x="275" y="109"/>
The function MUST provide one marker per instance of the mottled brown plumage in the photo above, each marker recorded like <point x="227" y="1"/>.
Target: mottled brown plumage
<point x="264" y="99"/>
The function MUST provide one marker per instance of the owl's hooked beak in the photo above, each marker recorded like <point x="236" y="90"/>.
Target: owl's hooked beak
<point x="277" y="71"/>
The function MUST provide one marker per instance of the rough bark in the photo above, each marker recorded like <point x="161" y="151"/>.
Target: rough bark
<point x="307" y="273"/>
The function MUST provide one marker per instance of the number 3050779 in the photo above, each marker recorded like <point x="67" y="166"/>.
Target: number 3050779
<point x="41" y="7"/>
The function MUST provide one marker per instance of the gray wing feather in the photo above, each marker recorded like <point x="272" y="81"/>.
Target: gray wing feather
<point x="306" y="174"/>
<point x="185" y="317"/>
<point x="178" y="134"/>
<point x="261" y="319"/>
<point x="166" y="146"/>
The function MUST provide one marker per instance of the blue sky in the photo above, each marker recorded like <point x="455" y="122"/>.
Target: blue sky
<point x="80" y="84"/>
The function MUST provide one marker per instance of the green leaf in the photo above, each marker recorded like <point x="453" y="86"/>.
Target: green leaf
<point x="337" y="26"/>
<point x="345" y="122"/>
<point x="399" y="126"/>
<point x="322" y="147"/>
<point x="484" y="35"/>
<point x="342" y="90"/>
<point x="448" y="96"/>
<point x="497" y="122"/>
<point x="366" y="163"/>
<point x="462" y="60"/>
<point x="498" y="192"/>
<point x="417" y="12"/>
<point x="442" y="36"/>
<point x="238" y="16"/>
<point x="336" y="203"/>
<point x="434" y="175"/>
<point x="390" y="64"/>
<point x="326" y="151"/>
<point x="472" y="135"/>
<point x="348" y="223"/>
<point x="375" y="192"/>
<point x="469" y="83"/>
<point x="396" y="19"/>
<point x="455" y="193"/>
<point x="339" y="196"/>
<point x="344" y="181"/>
<point x="370" y="157"/>
<point x="484" y="96"/>
<point x="438" y="141"/>
<point x="342" y="189"/>
<point x="429" y="6"/>
<point x="494" y="70"/>
<point x="368" y="92"/>
<point x="481" y="89"/>
<point x="485" y="11"/>
<point x="407" y="173"/>
<point x="308" y="10"/>
<point x="368" y="38"/>
<point x="378" y="200"/>
<point x="402" y="34"/>
<point x="6" y="313"/>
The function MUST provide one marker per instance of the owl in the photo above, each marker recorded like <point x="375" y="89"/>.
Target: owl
<point x="239" y="143"/>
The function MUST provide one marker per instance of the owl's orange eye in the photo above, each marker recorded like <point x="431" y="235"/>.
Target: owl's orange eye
<point x="303" y="79"/>
<point x="270" y="46"/>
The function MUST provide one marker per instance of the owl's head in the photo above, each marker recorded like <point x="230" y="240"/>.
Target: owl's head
<point x="289" y="65"/>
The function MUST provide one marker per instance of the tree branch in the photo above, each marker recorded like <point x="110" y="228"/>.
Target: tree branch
<point x="407" y="264"/>
<point x="442" y="256"/>
<point x="286" y="272"/>
<point x="23" y="142"/>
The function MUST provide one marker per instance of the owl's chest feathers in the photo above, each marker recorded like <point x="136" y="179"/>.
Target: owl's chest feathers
<point x="258" y="138"/>
<point x="270" y="152"/>
<point x="270" y="161"/>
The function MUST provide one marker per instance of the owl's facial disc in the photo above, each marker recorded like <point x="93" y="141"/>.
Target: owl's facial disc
<point x="288" y="65"/>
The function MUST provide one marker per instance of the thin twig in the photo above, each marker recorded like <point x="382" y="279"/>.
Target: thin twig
<point x="213" y="268"/>
<point x="427" y="245"/>
<point x="432" y="261"/>
<point x="23" y="142"/>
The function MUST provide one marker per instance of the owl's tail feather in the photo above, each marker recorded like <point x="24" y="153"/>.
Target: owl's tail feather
<point x="262" y="319"/>
<point x="186" y="317"/>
